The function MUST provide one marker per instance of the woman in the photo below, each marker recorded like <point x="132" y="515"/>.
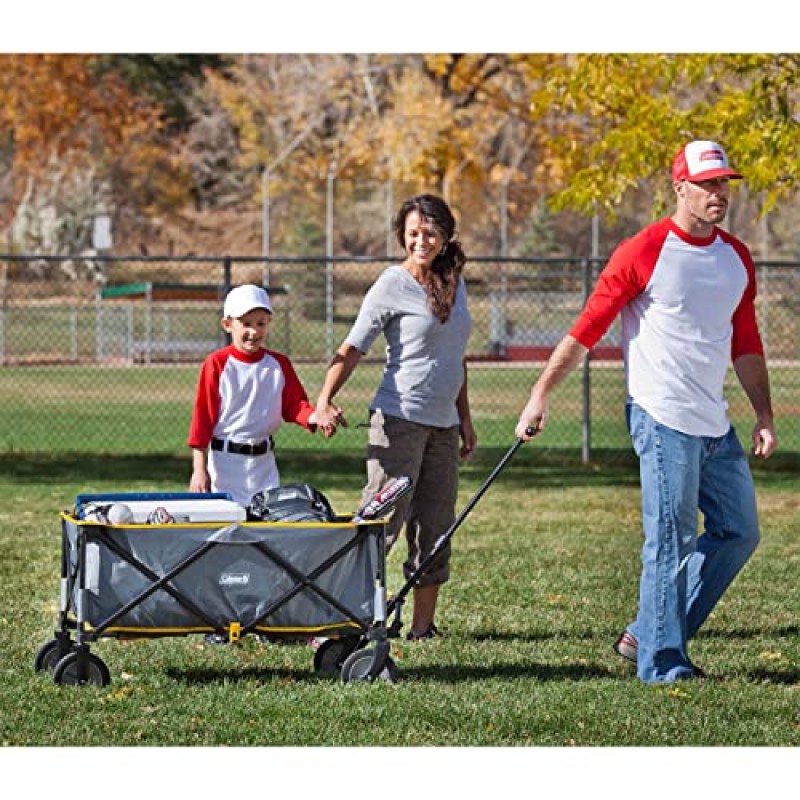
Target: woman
<point x="421" y="408"/>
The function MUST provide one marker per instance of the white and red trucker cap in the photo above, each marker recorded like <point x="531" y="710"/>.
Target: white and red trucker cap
<point x="701" y="161"/>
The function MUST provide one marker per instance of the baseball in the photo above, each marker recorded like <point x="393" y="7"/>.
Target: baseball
<point x="120" y="514"/>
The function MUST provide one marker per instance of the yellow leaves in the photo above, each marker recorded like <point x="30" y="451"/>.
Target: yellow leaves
<point x="772" y="656"/>
<point x="55" y="103"/>
<point x="438" y="64"/>
<point x="116" y="694"/>
<point x="580" y="130"/>
<point x="497" y="173"/>
<point x="58" y="107"/>
<point x="678" y="692"/>
<point x="635" y="110"/>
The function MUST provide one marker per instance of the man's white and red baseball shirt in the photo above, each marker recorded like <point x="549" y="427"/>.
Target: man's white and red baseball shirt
<point x="688" y="310"/>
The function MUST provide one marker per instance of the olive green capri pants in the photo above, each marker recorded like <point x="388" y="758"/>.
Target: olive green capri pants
<point x="429" y="456"/>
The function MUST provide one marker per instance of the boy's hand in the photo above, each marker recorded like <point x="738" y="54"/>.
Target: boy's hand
<point x="328" y="418"/>
<point x="200" y="481"/>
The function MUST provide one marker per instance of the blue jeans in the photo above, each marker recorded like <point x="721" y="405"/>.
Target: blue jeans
<point x="683" y="574"/>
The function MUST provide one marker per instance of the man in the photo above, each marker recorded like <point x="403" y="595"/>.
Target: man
<point x="686" y="290"/>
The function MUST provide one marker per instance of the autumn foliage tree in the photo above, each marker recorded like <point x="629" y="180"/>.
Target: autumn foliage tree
<point x="526" y="147"/>
<point x="77" y="143"/>
<point x="618" y="119"/>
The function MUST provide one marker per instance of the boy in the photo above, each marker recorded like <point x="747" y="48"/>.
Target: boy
<point x="244" y="393"/>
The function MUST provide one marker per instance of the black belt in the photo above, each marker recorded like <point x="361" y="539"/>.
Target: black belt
<point x="242" y="449"/>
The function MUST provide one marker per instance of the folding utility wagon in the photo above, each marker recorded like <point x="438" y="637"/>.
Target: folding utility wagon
<point x="230" y="576"/>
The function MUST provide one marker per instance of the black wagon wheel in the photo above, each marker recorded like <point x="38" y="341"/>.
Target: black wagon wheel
<point x="331" y="654"/>
<point x="50" y="653"/>
<point x="357" y="667"/>
<point x="66" y="671"/>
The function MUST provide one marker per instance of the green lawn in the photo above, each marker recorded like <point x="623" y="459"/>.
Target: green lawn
<point x="146" y="410"/>
<point x="545" y="575"/>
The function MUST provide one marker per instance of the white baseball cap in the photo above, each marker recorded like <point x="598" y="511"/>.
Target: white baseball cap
<point x="701" y="161"/>
<point x="245" y="298"/>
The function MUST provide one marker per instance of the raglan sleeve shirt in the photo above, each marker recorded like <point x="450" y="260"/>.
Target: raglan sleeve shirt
<point x="746" y="338"/>
<point x="620" y="281"/>
<point x="687" y="308"/>
<point x="295" y="406"/>
<point x="245" y="398"/>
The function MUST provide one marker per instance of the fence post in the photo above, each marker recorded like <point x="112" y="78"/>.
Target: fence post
<point x="98" y="325"/>
<point x="226" y="286"/>
<point x="287" y="341"/>
<point x="329" y="263"/>
<point x="3" y="285"/>
<point x="73" y="330"/>
<point x="148" y="322"/>
<point x="586" y="404"/>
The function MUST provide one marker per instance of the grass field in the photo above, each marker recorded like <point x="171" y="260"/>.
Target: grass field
<point x="146" y="410"/>
<point x="544" y="576"/>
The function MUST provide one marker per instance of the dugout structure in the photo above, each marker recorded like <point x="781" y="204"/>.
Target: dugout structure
<point x="513" y="338"/>
<point x="149" y="322"/>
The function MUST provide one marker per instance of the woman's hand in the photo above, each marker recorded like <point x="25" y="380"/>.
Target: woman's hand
<point x="469" y="439"/>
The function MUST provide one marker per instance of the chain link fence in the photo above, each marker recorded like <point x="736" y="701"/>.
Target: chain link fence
<point x="101" y="354"/>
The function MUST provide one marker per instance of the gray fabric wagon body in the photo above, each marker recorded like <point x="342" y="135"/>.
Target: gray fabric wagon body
<point x="233" y="573"/>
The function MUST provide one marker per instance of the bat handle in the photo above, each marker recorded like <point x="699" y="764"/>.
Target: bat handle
<point x="530" y="431"/>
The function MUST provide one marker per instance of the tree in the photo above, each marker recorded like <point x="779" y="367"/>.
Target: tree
<point x="168" y="80"/>
<point x="509" y="139"/>
<point x="619" y="119"/>
<point x="64" y="126"/>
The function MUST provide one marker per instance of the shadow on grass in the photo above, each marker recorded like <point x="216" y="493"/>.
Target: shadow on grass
<point x="785" y="677"/>
<point x="530" y="467"/>
<point x="331" y="470"/>
<point x="543" y="636"/>
<point x="787" y="631"/>
<point x="88" y="469"/>
<point x="541" y="672"/>
<point x="440" y="674"/>
<point x="789" y="677"/>
<point x="199" y="677"/>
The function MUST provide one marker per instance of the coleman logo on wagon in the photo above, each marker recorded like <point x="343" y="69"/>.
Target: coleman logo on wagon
<point x="234" y="579"/>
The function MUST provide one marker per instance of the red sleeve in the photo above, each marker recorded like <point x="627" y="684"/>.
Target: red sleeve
<point x="624" y="277"/>
<point x="206" y="403"/>
<point x="746" y="338"/>
<point x="295" y="405"/>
